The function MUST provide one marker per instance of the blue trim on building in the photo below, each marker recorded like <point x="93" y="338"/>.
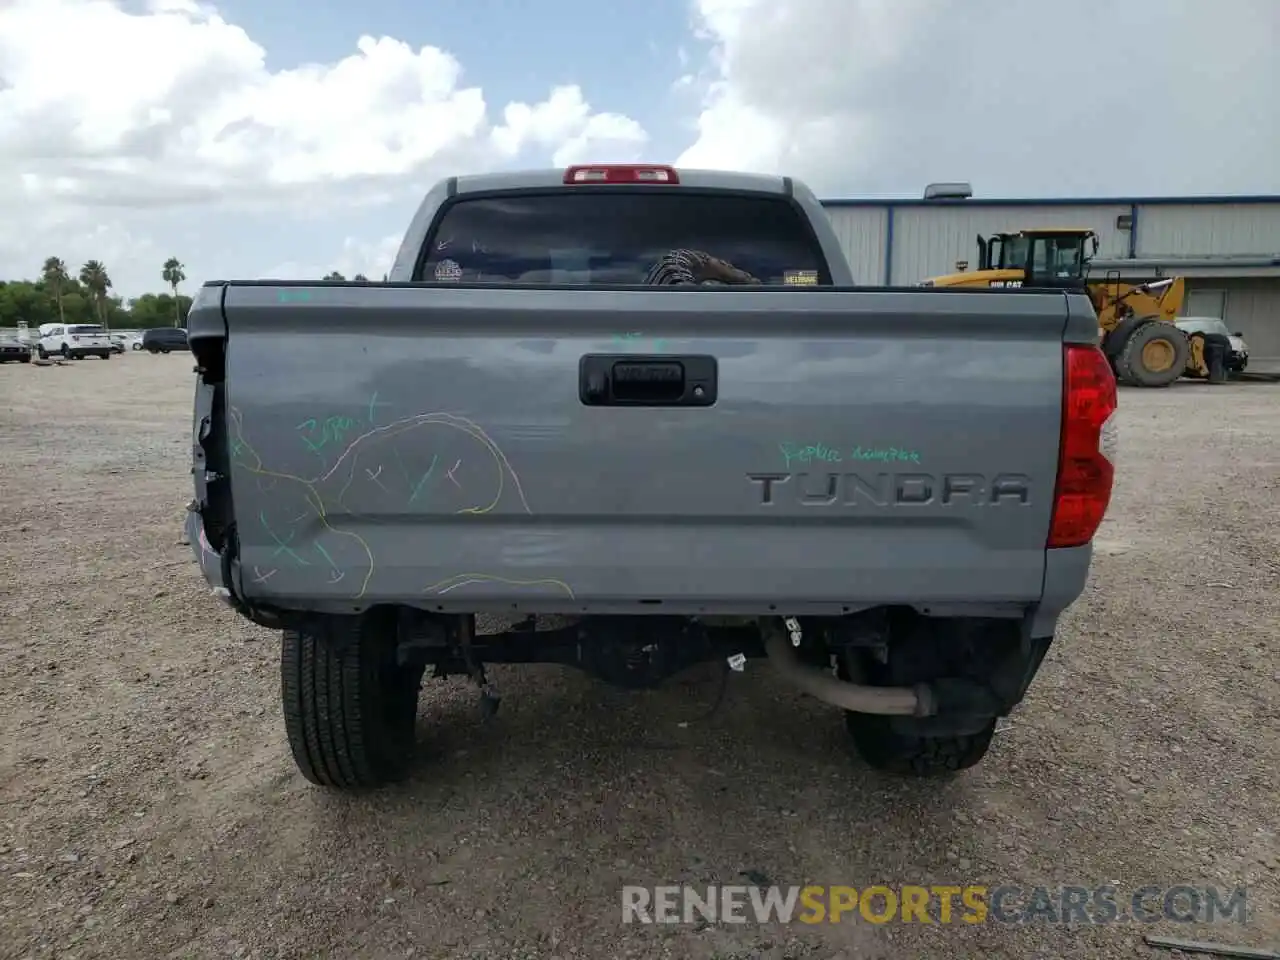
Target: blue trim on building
<point x="1220" y="201"/>
<point x="888" y="246"/>
<point x="1133" y="230"/>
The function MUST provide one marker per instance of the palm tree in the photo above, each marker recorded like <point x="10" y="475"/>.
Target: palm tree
<point x="94" y="276"/>
<point x="173" y="275"/>
<point x="55" y="276"/>
<point x="334" y="275"/>
<point x="360" y="278"/>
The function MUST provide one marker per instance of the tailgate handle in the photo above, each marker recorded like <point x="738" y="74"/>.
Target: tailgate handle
<point x="633" y="380"/>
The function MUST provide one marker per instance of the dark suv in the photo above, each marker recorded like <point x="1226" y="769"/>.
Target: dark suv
<point x="164" y="339"/>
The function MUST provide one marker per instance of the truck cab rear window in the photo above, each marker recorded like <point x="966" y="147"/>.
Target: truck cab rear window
<point x="609" y="239"/>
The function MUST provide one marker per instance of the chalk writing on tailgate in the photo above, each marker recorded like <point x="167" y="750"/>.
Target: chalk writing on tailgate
<point x="477" y="447"/>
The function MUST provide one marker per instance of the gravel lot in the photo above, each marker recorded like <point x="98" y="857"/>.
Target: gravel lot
<point x="149" y="806"/>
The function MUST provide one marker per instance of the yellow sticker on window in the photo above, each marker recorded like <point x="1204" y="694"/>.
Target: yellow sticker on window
<point x="801" y="278"/>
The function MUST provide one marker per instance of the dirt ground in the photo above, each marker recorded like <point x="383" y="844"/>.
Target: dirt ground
<point x="149" y="806"/>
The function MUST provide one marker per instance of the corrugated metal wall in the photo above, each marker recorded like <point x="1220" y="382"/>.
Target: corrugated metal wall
<point x="1186" y="230"/>
<point x="928" y="242"/>
<point x="1250" y="306"/>
<point x="929" y="239"/>
<point x="862" y="232"/>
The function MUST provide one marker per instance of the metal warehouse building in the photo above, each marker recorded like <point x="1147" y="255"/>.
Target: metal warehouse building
<point x="1227" y="248"/>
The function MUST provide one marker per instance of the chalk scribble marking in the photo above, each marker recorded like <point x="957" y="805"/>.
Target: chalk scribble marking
<point x="325" y="553"/>
<point x="452" y="477"/>
<point x="332" y="430"/>
<point x="373" y="405"/>
<point x="463" y="425"/>
<point x="425" y="477"/>
<point x="404" y="471"/>
<point x="305" y="427"/>
<point x="466" y="579"/>
<point x="260" y="577"/>
<point x="636" y="339"/>
<point x="282" y="546"/>
<point x="334" y="573"/>
<point x="822" y="453"/>
<point x="373" y="478"/>
<point x="350" y="455"/>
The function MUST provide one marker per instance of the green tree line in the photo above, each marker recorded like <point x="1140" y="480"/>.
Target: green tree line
<point x="59" y="296"/>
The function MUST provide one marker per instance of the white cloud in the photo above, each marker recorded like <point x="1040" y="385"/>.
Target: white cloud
<point x="564" y="123"/>
<point x="130" y="137"/>
<point x="356" y="256"/>
<point x="106" y="115"/>
<point x="1094" y="96"/>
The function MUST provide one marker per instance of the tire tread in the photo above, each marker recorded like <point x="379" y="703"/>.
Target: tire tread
<point x="919" y="756"/>
<point x="332" y="701"/>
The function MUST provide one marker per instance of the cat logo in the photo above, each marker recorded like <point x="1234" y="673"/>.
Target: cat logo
<point x="1005" y="284"/>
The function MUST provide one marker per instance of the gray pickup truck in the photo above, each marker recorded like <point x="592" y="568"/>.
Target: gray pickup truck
<point x="888" y="494"/>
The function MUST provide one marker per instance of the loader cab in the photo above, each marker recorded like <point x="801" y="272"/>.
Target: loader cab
<point x="1048" y="258"/>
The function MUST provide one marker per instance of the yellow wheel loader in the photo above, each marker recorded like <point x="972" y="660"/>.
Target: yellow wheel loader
<point x="1135" y="321"/>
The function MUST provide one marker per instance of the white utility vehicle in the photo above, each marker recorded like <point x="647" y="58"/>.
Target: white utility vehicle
<point x="73" y="341"/>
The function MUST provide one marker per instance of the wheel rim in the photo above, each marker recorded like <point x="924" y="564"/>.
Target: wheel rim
<point x="1157" y="355"/>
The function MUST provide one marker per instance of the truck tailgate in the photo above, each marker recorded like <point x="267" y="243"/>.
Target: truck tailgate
<point x="428" y="444"/>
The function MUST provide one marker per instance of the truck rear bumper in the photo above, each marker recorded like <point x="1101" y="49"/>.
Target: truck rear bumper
<point x="1061" y="578"/>
<point x="747" y="570"/>
<point x="209" y="559"/>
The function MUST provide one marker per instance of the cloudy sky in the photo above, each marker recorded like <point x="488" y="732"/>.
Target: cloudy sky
<point x="287" y="138"/>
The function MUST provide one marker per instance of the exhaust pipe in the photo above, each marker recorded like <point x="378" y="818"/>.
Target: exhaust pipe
<point x="917" y="701"/>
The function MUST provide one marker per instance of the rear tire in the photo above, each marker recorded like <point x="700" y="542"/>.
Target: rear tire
<point x="924" y="650"/>
<point x="1155" y="355"/>
<point x="918" y="756"/>
<point x="349" y="707"/>
<point x="1113" y="346"/>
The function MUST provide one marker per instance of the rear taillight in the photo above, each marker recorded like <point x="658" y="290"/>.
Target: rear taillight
<point x="621" y="173"/>
<point x="1085" y="471"/>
